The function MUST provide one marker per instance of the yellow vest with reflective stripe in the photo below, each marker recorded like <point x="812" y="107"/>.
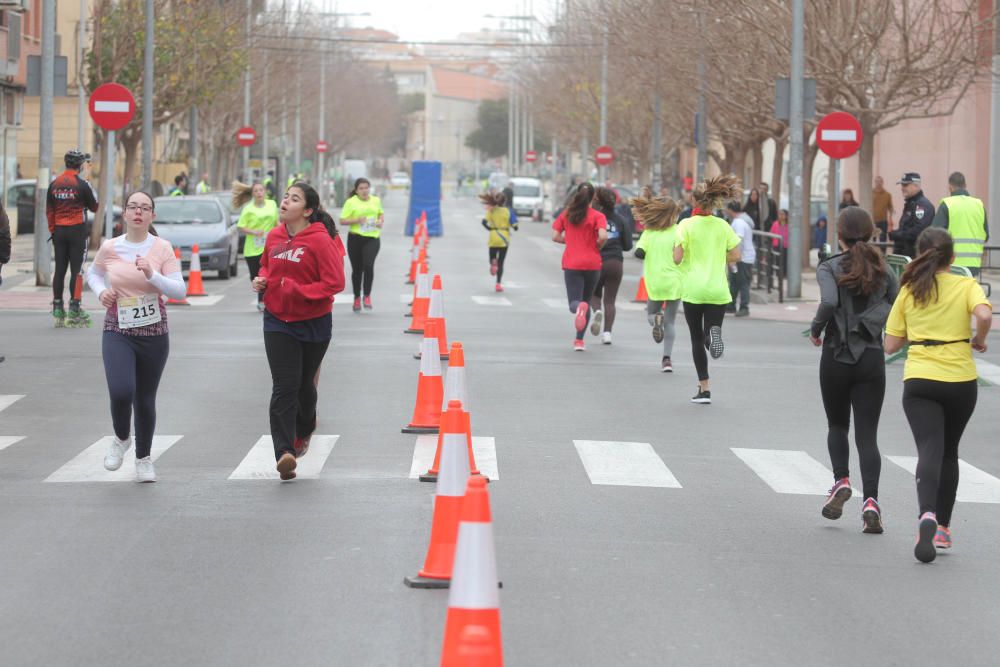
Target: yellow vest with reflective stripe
<point x="966" y="218"/>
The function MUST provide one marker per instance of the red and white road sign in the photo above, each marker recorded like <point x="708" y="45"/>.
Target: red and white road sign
<point x="530" y="156"/>
<point x="322" y="146"/>
<point x="604" y="155"/>
<point x="246" y="136"/>
<point x="112" y="106"/>
<point x="838" y="134"/>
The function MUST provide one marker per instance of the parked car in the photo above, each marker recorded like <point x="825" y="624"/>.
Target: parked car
<point x="226" y="199"/>
<point x="202" y="220"/>
<point x="497" y="180"/>
<point x="399" y="180"/>
<point x="21" y="199"/>
<point x="528" y="197"/>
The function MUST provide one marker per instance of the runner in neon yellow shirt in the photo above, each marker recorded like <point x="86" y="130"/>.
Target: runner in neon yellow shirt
<point x="363" y="212"/>
<point x="705" y="245"/>
<point x="257" y="218"/>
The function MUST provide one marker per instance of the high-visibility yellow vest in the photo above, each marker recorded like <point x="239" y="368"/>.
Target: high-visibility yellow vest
<point x="966" y="224"/>
<point x="201" y="188"/>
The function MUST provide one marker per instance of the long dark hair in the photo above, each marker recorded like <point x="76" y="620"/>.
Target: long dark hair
<point x="935" y="251"/>
<point x="579" y="203"/>
<point x="863" y="267"/>
<point x="152" y="203"/>
<point x="354" y="190"/>
<point x="605" y="200"/>
<point x="312" y="202"/>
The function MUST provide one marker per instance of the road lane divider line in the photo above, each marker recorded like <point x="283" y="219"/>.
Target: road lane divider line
<point x="789" y="471"/>
<point x="7" y="400"/>
<point x="88" y="465"/>
<point x="615" y="463"/>
<point x="259" y="463"/>
<point x="483" y="448"/>
<point x="987" y="371"/>
<point x="8" y="440"/>
<point x="208" y="300"/>
<point x="492" y="300"/>
<point x="974" y="485"/>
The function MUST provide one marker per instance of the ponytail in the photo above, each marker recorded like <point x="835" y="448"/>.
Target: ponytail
<point x="354" y="190"/>
<point x="936" y="251"/>
<point x="863" y="267"/>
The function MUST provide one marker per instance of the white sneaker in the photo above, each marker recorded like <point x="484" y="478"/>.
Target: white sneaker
<point x="116" y="453"/>
<point x="596" y="321"/>
<point x="606" y="338"/>
<point x="144" y="470"/>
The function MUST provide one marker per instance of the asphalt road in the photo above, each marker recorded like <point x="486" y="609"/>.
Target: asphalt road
<point x="677" y="550"/>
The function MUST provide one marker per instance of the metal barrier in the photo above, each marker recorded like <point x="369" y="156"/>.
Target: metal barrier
<point x="771" y="262"/>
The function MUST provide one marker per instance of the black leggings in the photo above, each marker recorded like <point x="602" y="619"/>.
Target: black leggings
<point x="938" y="413"/>
<point x="69" y="243"/>
<point x="499" y="254"/>
<point x="580" y="288"/>
<point x="133" y="366"/>
<point x="700" y="318"/>
<point x="362" y="250"/>
<point x="860" y="386"/>
<point x="607" y="289"/>
<point x="253" y="266"/>
<point x="294" y="373"/>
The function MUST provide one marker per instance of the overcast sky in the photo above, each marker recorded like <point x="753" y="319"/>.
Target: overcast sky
<point x="437" y="19"/>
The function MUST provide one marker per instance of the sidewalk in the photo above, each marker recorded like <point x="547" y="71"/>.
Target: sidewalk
<point x="19" y="292"/>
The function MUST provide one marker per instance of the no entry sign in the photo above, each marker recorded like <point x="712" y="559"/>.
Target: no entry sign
<point x="322" y="146"/>
<point x="246" y="136"/>
<point x="112" y="106"/>
<point x="530" y="156"/>
<point x="604" y="155"/>
<point x="838" y="135"/>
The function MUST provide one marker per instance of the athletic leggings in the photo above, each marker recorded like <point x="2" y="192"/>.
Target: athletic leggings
<point x="701" y="317"/>
<point x="133" y="366"/>
<point x="294" y="372"/>
<point x="69" y="243"/>
<point x="253" y="266"/>
<point x="580" y="288"/>
<point x="938" y="413"/>
<point x="669" y="317"/>
<point x="362" y="250"/>
<point x="499" y="254"/>
<point x="606" y="290"/>
<point x="860" y="386"/>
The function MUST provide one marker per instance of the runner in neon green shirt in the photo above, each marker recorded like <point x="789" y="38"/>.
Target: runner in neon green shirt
<point x="705" y="245"/>
<point x="257" y="218"/>
<point x="363" y="212"/>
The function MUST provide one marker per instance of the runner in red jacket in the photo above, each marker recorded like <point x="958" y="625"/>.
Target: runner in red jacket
<point x="302" y="268"/>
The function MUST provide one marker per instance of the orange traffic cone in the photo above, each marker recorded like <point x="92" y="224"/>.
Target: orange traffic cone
<point x="640" y="294"/>
<point x="451" y="482"/>
<point x="472" y="628"/>
<point x="195" y="288"/>
<point x="455" y="389"/>
<point x="172" y="301"/>
<point x="411" y="275"/>
<point x="421" y="302"/>
<point x="430" y="389"/>
<point x="436" y="312"/>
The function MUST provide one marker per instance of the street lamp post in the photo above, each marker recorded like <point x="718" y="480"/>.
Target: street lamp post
<point x="795" y="152"/>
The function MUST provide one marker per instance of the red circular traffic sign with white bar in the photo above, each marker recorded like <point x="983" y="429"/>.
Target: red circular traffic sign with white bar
<point x="530" y="156"/>
<point x="604" y="155"/>
<point x="112" y="106"/>
<point x="246" y="136"/>
<point x="838" y="134"/>
<point x="322" y="146"/>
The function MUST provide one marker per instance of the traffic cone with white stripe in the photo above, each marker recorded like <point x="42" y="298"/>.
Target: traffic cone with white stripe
<point x="195" y="288"/>
<point x="640" y="294"/>
<point x="172" y="301"/>
<point x="411" y="275"/>
<point x="451" y="484"/>
<point x="455" y="389"/>
<point x="430" y="388"/>
<point x="436" y="312"/>
<point x="472" y="629"/>
<point x="421" y="302"/>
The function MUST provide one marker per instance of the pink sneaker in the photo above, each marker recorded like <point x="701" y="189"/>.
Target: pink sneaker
<point x="838" y="495"/>
<point x="578" y="345"/>
<point x="499" y="287"/>
<point x="942" y="539"/>
<point x="580" y="321"/>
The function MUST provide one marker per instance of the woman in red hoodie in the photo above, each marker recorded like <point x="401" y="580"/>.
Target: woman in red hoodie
<point x="301" y="269"/>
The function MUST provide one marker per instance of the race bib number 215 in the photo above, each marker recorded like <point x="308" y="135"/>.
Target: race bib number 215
<point x="138" y="311"/>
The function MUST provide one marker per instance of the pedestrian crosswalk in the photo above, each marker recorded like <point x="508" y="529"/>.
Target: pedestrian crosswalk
<point x="8" y="440"/>
<point x="484" y="450"/>
<point x="624" y="464"/>
<point x="787" y="471"/>
<point x="88" y="465"/>
<point x="259" y="461"/>
<point x="974" y="485"/>
<point x="7" y="400"/>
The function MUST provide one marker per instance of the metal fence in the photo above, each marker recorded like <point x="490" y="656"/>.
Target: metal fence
<point x="771" y="263"/>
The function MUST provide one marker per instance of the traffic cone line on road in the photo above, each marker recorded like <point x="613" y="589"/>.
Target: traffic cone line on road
<point x="411" y="275"/>
<point x="455" y="389"/>
<point x="451" y="487"/>
<point x="472" y="627"/>
<point x="430" y="389"/>
<point x="172" y="301"/>
<point x="421" y="302"/>
<point x="640" y="295"/>
<point x="195" y="288"/>
<point x="436" y="312"/>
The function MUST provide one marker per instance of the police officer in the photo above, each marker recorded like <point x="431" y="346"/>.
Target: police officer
<point x="180" y="186"/>
<point x="203" y="188"/>
<point x="269" y="186"/>
<point x="964" y="217"/>
<point x="918" y="215"/>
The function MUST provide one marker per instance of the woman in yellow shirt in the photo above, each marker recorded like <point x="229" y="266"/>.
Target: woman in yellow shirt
<point x="499" y="224"/>
<point x="257" y="219"/>
<point x="932" y="313"/>
<point x="363" y="212"/>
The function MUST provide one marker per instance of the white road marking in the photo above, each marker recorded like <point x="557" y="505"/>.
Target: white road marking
<point x="406" y="298"/>
<point x="624" y="464"/>
<point x="558" y="304"/>
<point x="209" y="300"/>
<point x="259" y="461"/>
<point x="483" y="448"/>
<point x="7" y="400"/>
<point x="492" y="301"/>
<point x="88" y="465"/>
<point x="974" y="485"/>
<point x="8" y="440"/>
<point x="987" y="371"/>
<point x="787" y="471"/>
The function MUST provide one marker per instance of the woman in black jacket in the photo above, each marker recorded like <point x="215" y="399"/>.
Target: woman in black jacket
<point x="752" y="207"/>
<point x="612" y="264"/>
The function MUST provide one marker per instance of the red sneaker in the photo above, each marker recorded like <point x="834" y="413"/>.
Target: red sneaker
<point x="499" y="287"/>
<point x="578" y="345"/>
<point x="839" y="494"/>
<point x="367" y="303"/>
<point x="357" y="305"/>
<point x="580" y="321"/>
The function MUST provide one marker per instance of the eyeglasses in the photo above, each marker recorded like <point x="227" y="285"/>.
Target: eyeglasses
<point x="132" y="208"/>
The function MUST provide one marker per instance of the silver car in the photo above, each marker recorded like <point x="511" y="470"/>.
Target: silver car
<point x="202" y="220"/>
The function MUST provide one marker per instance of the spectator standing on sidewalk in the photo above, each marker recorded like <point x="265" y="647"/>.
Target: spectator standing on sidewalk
<point x="740" y="272"/>
<point x="752" y="207"/>
<point x="882" y="209"/>
<point x="768" y="209"/>
<point x="964" y="217"/>
<point x="847" y="199"/>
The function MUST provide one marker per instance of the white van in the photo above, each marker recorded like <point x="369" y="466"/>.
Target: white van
<point x="528" y="197"/>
